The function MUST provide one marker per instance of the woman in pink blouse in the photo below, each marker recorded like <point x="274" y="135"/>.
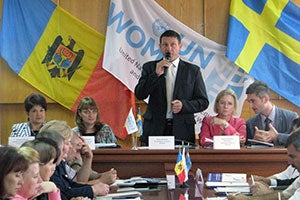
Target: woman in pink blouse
<point x="224" y="123"/>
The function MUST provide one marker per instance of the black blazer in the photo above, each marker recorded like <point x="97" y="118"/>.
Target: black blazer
<point x="189" y="89"/>
<point x="69" y="188"/>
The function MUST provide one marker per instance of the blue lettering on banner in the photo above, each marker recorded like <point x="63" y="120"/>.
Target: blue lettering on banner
<point x="218" y="78"/>
<point x="148" y="46"/>
<point x="203" y="62"/>
<point x="131" y="31"/>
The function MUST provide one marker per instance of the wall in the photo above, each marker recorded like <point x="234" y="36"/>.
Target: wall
<point x="208" y="17"/>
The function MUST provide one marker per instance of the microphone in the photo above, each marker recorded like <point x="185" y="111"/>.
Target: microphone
<point x="179" y="143"/>
<point x="167" y="57"/>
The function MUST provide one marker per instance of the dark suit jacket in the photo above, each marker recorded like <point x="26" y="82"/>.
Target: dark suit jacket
<point x="69" y="188"/>
<point x="282" y="123"/>
<point x="189" y="89"/>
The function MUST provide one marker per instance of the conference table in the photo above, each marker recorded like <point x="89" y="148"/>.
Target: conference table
<point x="158" y="163"/>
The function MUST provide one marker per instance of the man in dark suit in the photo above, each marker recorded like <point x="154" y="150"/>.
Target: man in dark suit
<point x="270" y="124"/>
<point x="176" y="91"/>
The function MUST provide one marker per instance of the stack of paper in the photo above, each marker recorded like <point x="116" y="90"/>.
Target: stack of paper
<point x="120" y="195"/>
<point x="228" y="182"/>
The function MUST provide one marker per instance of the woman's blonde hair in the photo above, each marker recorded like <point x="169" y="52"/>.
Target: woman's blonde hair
<point x="223" y="93"/>
<point x="59" y="126"/>
<point x="30" y="154"/>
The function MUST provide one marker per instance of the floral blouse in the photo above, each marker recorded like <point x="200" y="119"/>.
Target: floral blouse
<point x="104" y="135"/>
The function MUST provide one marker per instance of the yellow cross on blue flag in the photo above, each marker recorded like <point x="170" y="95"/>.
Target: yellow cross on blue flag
<point x="139" y="121"/>
<point x="188" y="160"/>
<point x="264" y="40"/>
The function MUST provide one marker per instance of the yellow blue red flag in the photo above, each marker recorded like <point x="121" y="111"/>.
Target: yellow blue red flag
<point x="180" y="167"/>
<point x="264" y="40"/>
<point x="61" y="56"/>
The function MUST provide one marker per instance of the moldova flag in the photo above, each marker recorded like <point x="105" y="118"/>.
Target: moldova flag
<point x="264" y="40"/>
<point x="180" y="167"/>
<point x="62" y="57"/>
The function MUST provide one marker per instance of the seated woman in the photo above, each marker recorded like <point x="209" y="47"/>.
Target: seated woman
<point x="88" y="122"/>
<point x="68" y="187"/>
<point x="36" y="107"/>
<point x="12" y="166"/>
<point x="48" y="154"/>
<point x="223" y="123"/>
<point x="33" y="185"/>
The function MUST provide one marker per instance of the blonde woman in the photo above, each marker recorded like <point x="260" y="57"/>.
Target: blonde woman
<point x="48" y="154"/>
<point x="33" y="185"/>
<point x="224" y="123"/>
<point x="68" y="187"/>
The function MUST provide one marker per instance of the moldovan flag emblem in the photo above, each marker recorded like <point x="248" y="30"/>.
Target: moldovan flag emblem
<point x="60" y="56"/>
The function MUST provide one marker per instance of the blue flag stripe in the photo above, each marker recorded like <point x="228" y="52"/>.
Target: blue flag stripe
<point x="278" y="77"/>
<point x="18" y="21"/>
<point x="256" y="6"/>
<point x="289" y="21"/>
<point x="236" y="38"/>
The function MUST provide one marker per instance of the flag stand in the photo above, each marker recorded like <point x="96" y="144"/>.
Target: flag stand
<point x="134" y="141"/>
<point x="184" y="185"/>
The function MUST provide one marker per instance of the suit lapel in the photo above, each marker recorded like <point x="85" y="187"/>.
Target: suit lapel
<point x="179" y="76"/>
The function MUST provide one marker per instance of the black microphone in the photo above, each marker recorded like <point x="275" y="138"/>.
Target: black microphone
<point x="179" y="143"/>
<point x="167" y="57"/>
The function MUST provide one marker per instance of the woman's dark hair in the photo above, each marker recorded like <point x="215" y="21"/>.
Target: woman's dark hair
<point x="47" y="148"/>
<point x="10" y="161"/>
<point x="87" y="103"/>
<point x="35" y="99"/>
<point x="52" y="137"/>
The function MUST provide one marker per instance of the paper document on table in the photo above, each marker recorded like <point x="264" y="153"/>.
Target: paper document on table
<point x="120" y="195"/>
<point x="232" y="189"/>
<point x="139" y="180"/>
<point x="18" y="141"/>
<point x="226" y="179"/>
<point x="105" y="145"/>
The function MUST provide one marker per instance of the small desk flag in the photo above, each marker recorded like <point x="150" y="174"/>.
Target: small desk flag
<point x="188" y="160"/>
<point x="139" y="122"/>
<point x="130" y="124"/>
<point x="180" y="167"/>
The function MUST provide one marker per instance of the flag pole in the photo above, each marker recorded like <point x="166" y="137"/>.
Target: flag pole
<point x="184" y="184"/>
<point x="134" y="140"/>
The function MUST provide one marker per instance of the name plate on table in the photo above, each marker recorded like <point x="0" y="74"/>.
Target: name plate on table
<point x="161" y="142"/>
<point x="90" y="140"/>
<point x="18" y="141"/>
<point x="227" y="142"/>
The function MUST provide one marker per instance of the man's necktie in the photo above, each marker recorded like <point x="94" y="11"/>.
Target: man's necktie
<point x="170" y="86"/>
<point x="267" y="123"/>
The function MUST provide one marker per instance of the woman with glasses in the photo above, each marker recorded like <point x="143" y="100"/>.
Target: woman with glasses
<point x="88" y="122"/>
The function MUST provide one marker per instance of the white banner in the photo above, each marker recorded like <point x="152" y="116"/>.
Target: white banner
<point x="132" y="38"/>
